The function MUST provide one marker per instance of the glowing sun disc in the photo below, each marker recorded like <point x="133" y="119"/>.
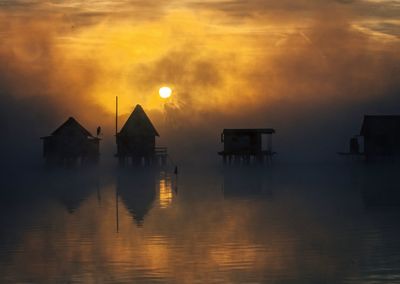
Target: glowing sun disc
<point x="165" y="92"/>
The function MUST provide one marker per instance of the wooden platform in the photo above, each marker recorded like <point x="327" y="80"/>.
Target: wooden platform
<point x="157" y="158"/>
<point x="246" y="157"/>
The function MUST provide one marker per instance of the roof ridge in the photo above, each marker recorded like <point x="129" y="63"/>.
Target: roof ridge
<point x="74" y="121"/>
<point x="138" y="121"/>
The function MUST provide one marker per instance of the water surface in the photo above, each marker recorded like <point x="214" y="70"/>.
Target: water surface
<point x="285" y="224"/>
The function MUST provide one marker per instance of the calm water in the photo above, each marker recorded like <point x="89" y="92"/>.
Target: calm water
<point x="280" y="225"/>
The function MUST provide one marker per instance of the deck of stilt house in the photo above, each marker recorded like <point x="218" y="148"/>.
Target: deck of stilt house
<point x="246" y="146"/>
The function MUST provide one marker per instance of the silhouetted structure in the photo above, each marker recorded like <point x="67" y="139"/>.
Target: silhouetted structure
<point x="381" y="136"/>
<point x="245" y="145"/>
<point x="137" y="141"/>
<point x="71" y="143"/>
<point x="354" y="147"/>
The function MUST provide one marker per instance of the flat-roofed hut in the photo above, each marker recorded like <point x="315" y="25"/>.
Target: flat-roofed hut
<point x="245" y="145"/>
<point x="71" y="143"/>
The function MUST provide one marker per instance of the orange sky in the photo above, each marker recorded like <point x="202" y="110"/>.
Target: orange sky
<point x="230" y="63"/>
<point x="209" y="52"/>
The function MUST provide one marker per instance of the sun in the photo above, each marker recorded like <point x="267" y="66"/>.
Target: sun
<point x="165" y="92"/>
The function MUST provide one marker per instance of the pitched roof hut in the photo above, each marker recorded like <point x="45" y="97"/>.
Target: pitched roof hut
<point x="381" y="136"/>
<point x="137" y="139"/>
<point x="70" y="143"/>
<point x="244" y="144"/>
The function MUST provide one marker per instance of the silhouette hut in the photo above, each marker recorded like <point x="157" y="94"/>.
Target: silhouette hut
<point x="354" y="147"/>
<point x="244" y="145"/>
<point x="137" y="140"/>
<point x="71" y="143"/>
<point x="381" y="135"/>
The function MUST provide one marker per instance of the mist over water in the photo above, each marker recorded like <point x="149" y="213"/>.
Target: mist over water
<point x="309" y="69"/>
<point x="286" y="224"/>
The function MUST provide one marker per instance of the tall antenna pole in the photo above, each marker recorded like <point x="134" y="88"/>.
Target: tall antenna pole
<point x="116" y="116"/>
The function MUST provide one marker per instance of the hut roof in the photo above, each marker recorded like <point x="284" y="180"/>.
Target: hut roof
<point x="71" y="123"/>
<point x="138" y="123"/>
<point x="385" y="123"/>
<point x="249" y="130"/>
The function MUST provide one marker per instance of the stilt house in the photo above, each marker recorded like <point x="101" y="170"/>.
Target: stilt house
<point x="71" y="143"/>
<point x="245" y="145"/>
<point x="137" y="140"/>
<point x="381" y="136"/>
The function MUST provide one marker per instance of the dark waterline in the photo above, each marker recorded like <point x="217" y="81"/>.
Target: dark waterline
<point x="286" y="224"/>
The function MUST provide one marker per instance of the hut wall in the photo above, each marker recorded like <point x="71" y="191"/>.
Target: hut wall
<point x="63" y="146"/>
<point x="71" y="145"/>
<point x="139" y="145"/>
<point x="382" y="139"/>
<point x="242" y="142"/>
<point x="48" y="147"/>
<point x="382" y="145"/>
<point x="92" y="150"/>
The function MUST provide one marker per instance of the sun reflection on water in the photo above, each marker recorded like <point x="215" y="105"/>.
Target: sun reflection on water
<point x="166" y="193"/>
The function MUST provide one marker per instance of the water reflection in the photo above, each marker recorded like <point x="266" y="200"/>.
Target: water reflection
<point x="380" y="190"/>
<point x="380" y="186"/>
<point x="244" y="183"/>
<point x="138" y="192"/>
<point x="166" y="193"/>
<point x="284" y="225"/>
<point x="70" y="189"/>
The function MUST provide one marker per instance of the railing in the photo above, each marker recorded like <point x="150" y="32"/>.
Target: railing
<point x="161" y="151"/>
